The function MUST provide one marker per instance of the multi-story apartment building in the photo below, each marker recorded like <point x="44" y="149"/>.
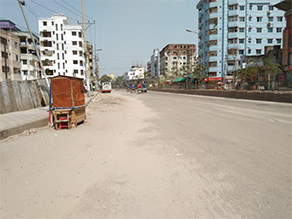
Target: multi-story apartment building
<point x="10" y="56"/>
<point x="231" y="30"/>
<point x="155" y="63"/>
<point x="61" y="45"/>
<point x="176" y="57"/>
<point x="30" y="64"/>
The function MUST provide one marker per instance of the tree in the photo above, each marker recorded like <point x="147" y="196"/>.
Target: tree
<point x="198" y="73"/>
<point x="247" y="73"/>
<point x="105" y="78"/>
<point x="118" y="81"/>
<point x="271" y="68"/>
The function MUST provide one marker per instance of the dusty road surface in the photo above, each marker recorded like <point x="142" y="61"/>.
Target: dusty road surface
<point x="155" y="155"/>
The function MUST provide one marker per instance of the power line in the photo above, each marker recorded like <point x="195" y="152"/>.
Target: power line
<point x="67" y="8"/>
<point x="49" y="9"/>
<point x="76" y="9"/>
<point x="32" y="12"/>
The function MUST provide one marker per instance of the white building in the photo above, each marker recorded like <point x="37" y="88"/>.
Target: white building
<point x="135" y="73"/>
<point x="30" y="65"/>
<point x="61" y="45"/>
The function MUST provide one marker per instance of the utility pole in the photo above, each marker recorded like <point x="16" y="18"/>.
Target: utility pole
<point x="87" y="71"/>
<point x="32" y="38"/>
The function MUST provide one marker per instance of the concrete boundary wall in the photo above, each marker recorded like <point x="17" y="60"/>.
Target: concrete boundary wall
<point x="23" y="95"/>
<point x="275" y="96"/>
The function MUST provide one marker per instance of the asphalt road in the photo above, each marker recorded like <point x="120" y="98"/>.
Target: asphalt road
<point x="155" y="155"/>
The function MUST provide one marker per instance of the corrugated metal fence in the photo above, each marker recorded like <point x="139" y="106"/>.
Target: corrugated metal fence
<point x="23" y="95"/>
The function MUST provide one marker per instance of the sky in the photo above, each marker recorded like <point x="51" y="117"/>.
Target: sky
<point x="127" y="31"/>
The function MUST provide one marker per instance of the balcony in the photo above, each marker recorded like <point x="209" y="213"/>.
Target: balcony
<point x="213" y="37"/>
<point x="213" y="58"/>
<point x="45" y="34"/>
<point x="233" y="24"/>
<point x="213" y="15"/>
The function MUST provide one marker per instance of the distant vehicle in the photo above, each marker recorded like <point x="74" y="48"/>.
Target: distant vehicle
<point x="144" y="88"/>
<point x="106" y="87"/>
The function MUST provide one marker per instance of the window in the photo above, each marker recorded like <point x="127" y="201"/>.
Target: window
<point x="15" y="44"/>
<point x="75" y="71"/>
<point x="258" y="51"/>
<point x="63" y="65"/>
<point x="241" y="19"/>
<point x="80" y="44"/>
<point x="270" y="41"/>
<point x="270" y="30"/>
<point x="63" y="57"/>
<point x="58" y="65"/>
<point x="250" y="7"/>
<point x="258" y="41"/>
<point x="249" y="29"/>
<point x="271" y="8"/>
<point x="249" y="40"/>
<point x="241" y="40"/>
<point x="81" y="63"/>
<point x="241" y="8"/>
<point x="61" y="26"/>
<point x="62" y="46"/>
<point x="75" y="62"/>
<point x="44" y="23"/>
<point x="260" y="7"/>
<point x="73" y="33"/>
<point x="241" y="51"/>
<point x="56" y="26"/>
<point x="74" y="52"/>
<point x="80" y="34"/>
<point x="57" y="36"/>
<point x="270" y="19"/>
<point x="279" y="41"/>
<point x="58" y="57"/>
<point x="174" y="57"/>
<point x="52" y="22"/>
<point x="259" y="19"/>
<point x="280" y="19"/>
<point x="249" y="18"/>
<point x="74" y="43"/>
<point x="232" y="7"/>
<point x="81" y="71"/>
<point x="249" y="51"/>
<point x="279" y="29"/>
<point x="259" y="30"/>
<point x="24" y="62"/>
<point x="62" y="37"/>
<point x="16" y="58"/>
<point x="80" y="53"/>
<point x="57" y="46"/>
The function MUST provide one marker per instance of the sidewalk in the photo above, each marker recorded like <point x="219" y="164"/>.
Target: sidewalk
<point x="17" y="122"/>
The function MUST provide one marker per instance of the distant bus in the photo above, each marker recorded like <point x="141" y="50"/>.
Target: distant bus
<point x="106" y="87"/>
